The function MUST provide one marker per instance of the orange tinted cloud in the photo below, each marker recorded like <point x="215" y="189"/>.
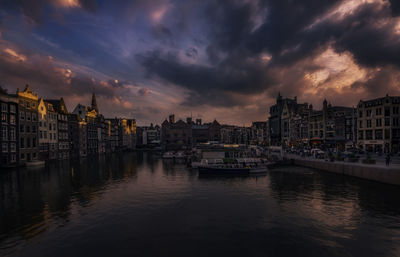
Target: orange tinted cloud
<point x="14" y="54"/>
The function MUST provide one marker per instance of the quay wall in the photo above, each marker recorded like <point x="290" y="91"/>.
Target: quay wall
<point x="379" y="174"/>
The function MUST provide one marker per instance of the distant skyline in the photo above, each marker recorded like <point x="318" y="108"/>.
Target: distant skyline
<point x="224" y="60"/>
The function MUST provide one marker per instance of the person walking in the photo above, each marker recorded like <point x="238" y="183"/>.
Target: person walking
<point x="388" y="159"/>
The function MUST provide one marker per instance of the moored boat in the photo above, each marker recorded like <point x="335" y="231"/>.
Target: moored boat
<point x="232" y="169"/>
<point x="35" y="164"/>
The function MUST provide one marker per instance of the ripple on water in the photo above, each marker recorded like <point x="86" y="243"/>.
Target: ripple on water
<point x="142" y="205"/>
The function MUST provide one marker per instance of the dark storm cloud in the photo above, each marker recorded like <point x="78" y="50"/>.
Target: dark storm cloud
<point x="34" y="9"/>
<point x="289" y="32"/>
<point x="227" y="76"/>
<point x="234" y="49"/>
<point x="369" y="37"/>
<point x="395" y="6"/>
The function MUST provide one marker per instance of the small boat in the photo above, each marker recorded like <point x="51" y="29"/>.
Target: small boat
<point x="35" y="164"/>
<point x="180" y="155"/>
<point x="168" y="155"/>
<point x="172" y="155"/>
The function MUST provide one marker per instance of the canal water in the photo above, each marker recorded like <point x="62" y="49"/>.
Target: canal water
<point x="136" y="204"/>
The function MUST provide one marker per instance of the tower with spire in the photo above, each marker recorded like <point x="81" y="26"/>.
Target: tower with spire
<point x="94" y="103"/>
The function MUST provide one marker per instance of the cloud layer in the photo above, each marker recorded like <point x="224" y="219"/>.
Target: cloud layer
<point x="220" y="59"/>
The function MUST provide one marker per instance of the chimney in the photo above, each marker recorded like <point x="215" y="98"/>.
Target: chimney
<point x="172" y="118"/>
<point x="189" y="120"/>
<point x="198" y="121"/>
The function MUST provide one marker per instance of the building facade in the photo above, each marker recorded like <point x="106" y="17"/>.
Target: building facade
<point x="176" y="135"/>
<point x="48" y="132"/>
<point x="328" y="126"/>
<point x="275" y="122"/>
<point x="378" y="123"/>
<point x="62" y="128"/>
<point x="28" y="123"/>
<point x="9" y="155"/>
<point x="77" y="129"/>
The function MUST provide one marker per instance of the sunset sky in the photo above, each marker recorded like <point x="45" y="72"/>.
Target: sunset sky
<point x="212" y="59"/>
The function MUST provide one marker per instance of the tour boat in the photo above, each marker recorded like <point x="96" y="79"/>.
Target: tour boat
<point x="232" y="169"/>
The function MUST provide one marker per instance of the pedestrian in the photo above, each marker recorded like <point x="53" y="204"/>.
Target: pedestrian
<point x="387" y="159"/>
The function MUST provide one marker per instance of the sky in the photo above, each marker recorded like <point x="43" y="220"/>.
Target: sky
<point x="224" y="60"/>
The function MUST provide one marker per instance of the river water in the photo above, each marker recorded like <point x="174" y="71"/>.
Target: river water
<point x="136" y="204"/>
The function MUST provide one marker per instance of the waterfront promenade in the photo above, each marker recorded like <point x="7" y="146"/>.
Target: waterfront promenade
<point x="377" y="172"/>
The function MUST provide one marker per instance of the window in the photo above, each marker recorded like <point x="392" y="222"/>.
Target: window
<point x="40" y="134"/>
<point x="28" y="105"/>
<point x="28" y="142"/>
<point x="379" y="122"/>
<point x="34" y="117"/>
<point x="34" y="142"/>
<point x="369" y="112"/>
<point x="361" y="124"/>
<point x="395" y="110"/>
<point x="21" y="115"/>
<point x="13" y="147"/>
<point x="28" y="116"/>
<point x="12" y="119"/>
<point x="378" y="134"/>
<point x="387" y="133"/>
<point x="4" y="107"/>
<point x="28" y="129"/>
<point x="395" y="122"/>
<point x="4" y="147"/>
<point x="387" y="111"/>
<point x="360" y="114"/>
<point x="369" y="123"/>
<point x="12" y="109"/>
<point x="378" y="111"/>
<point x="12" y="134"/>
<point x="13" y="158"/>
<point x="368" y="134"/>
<point x="4" y="117"/>
<point x="21" y="128"/>
<point x="45" y="134"/>
<point x="22" y="143"/>
<point x="33" y="128"/>
<point x="4" y="133"/>
<point x="387" y="121"/>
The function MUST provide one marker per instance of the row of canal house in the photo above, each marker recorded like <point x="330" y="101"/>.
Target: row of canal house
<point x="373" y="126"/>
<point x="35" y="129"/>
<point x="293" y="124"/>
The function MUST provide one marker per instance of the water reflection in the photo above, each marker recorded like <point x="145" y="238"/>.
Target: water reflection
<point x="140" y="204"/>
